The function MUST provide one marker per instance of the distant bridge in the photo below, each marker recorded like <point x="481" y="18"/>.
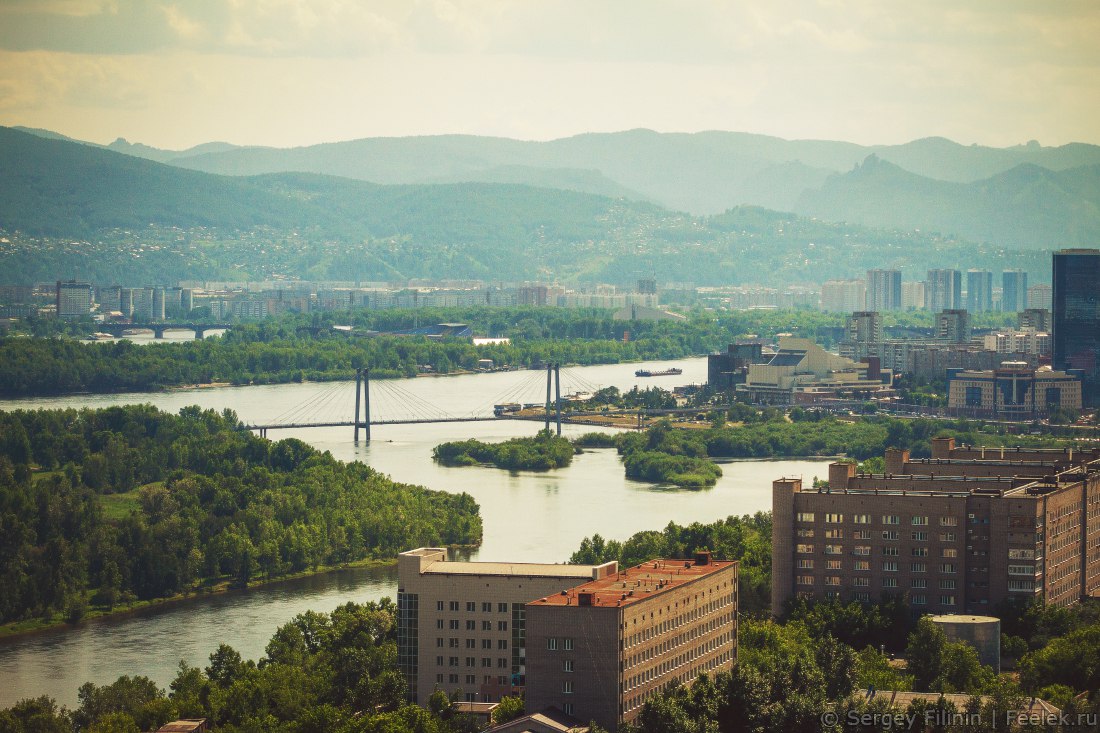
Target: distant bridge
<point x="118" y="330"/>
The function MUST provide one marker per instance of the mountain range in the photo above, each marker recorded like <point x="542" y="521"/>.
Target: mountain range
<point x="115" y="212"/>
<point x="1024" y="196"/>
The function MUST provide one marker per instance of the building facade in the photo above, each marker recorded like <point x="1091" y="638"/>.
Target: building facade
<point x="73" y="299"/>
<point x="1014" y="390"/>
<point x="956" y="533"/>
<point x="1014" y="291"/>
<point x="725" y="370"/>
<point x="600" y="650"/>
<point x="461" y="625"/>
<point x="883" y="290"/>
<point x="943" y="290"/>
<point x="979" y="291"/>
<point x="843" y="296"/>
<point x="1076" y="312"/>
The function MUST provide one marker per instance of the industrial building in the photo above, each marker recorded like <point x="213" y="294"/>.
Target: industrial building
<point x="956" y="533"/>
<point x="600" y="650"/>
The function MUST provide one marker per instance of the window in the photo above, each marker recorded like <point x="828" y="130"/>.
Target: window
<point x="891" y="519"/>
<point x="439" y="605"/>
<point x="832" y="564"/>
<point x="832" y="580"/>
<point x="973" y="396"/>
<point x="834" y="518"/>
<point x="948" y="584"/>
<point x="948" y="536"/>
<point x="861" y="534"/>
<point x="890" y="534"/>
<point x="920" y="521"/>
<point x="804" y="533"/>
<point x="502" y="608"/>
<point x="471" y="625"/>
<point x="487" y="662"/>
<point x="834" y="550"/>
<point x="439" y="623"/>
<point x="502" y="643"/>
<point x="567" y="687"/>
<point x="890" y="566"/>
<point x="1021" y="554"/>
<point x="947" y="600"/>
<point x="861" y="518"/>
<point x="889" y="582"/>
<point x="1021" y="570"/>
<point x="552" y="644"/>
<point x="863" y="597"/>
<point x="439" y="641"/>
<point x="567" y="643"/>
<point x="890" y="550"/>
<point x="918" y="599"/>
<point x="471" y="606"/>
<point x="1021" y="585"/>
<point x="486" y="643"/>
<point x="950" y="552"/>
<point x="567" y="708"/>
<point x="920" y="552"/>
<point x="834" y="534"/>
<point x="453" y="624"/>
<point x="862" y="550"/>
<point x="920" y="536"/>
<point x="567" y="665"/>
<point x="804" y="517"/>
<point x="453" y="605"/>
<point x="806" y="563"/>
<point x="804" y="580"/>
<point x="919" y="583"/>
<point x="502" y="625"/>
<point x="486" y="607"/>
<point x="452" y="661"/>
<point x="947" y="567"/>
<point x="861" y="582"/>
<point x="863" y="564"/>
<point x="471" y="661"/>
<point x="804" y="549"/>
<point x="918" y="567"/>
<point x="471" y="679"/>
<point x="949" y="521"/>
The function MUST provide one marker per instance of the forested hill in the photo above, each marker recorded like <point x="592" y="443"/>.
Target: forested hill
<point x="101" y="507"/>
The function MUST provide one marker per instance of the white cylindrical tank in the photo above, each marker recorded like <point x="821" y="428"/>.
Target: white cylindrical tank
<point x="983" y="633"/>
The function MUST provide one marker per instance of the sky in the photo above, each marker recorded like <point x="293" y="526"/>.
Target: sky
<point x="173" y="74"/>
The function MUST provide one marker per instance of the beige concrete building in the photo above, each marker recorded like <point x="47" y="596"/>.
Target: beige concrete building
<point x="461" y="625"/>
<point x="1014" y="390"/>
<point x="955" y="533"/>
<point x="600" y="650"/>
<point x="801" y="370"/>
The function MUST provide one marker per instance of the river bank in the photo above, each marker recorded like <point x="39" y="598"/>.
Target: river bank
<point x="223" y="586"/>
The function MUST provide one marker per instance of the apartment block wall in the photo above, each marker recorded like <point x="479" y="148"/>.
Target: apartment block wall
<point x="602" y="662"/>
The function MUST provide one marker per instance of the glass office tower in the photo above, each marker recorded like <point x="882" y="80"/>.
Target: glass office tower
<point x="1076" y="314"/>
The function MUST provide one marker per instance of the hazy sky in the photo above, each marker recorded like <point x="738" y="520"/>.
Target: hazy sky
<point x="296" y="72"/>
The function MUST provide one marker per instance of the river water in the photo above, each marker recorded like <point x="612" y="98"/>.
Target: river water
<point x="527" y="516"/>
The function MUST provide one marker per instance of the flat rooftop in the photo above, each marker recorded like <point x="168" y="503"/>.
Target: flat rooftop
<point x="529" y="569"/>
<point x="635" y="584"/>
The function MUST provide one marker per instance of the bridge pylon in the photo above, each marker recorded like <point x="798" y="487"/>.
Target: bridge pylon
<point x="362" y="388"/>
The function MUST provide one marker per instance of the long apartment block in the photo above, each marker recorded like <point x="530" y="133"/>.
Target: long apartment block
<point x="958" y="532"/>
<point x="600" y="650"/>
<point x="461" y="625"/>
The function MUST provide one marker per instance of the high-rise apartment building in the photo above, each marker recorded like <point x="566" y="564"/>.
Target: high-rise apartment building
<point x="956" y="533"/>
<point x="73" y="299"/>
<point x="843" y="296"/>
<point x="953" y="326"/>
<point x="883" y="290"/>
<point x="461" y="625"/>
<point x="1076" y="312"/>
<point x="943" y="290"/>
<point x="1034" y="319"/>
<point x="912" y="295"/>
<point x="979" y="291"/>
<point x="600" y="650"/>
<point x="1014" y="291"/>
<point x="1040" y="296"/>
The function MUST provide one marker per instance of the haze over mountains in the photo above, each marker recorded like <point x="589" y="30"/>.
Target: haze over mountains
<point x="588" y="207"/>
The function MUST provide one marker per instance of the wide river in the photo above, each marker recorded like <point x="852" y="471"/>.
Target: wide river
<point x="528" y="516"/>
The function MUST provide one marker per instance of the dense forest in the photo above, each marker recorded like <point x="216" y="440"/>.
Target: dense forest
<point x="104" y="507"/>
<point x="539" y="453"/>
